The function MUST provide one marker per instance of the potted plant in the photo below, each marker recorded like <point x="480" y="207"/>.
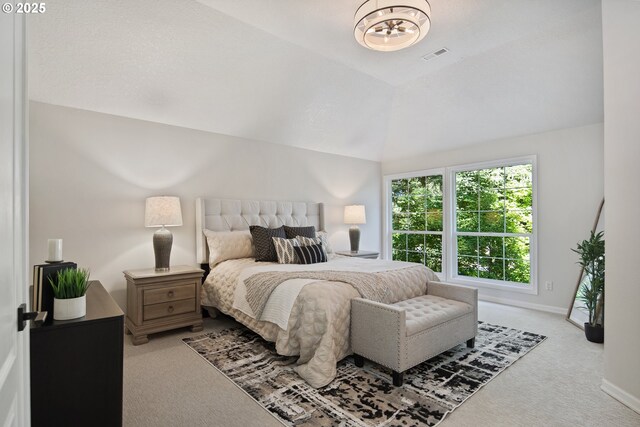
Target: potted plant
<point x="69" y="289"/>
<point x="591" y="292"/>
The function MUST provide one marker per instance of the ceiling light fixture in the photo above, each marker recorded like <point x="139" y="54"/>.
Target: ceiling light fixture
<point x="388" y="25"/>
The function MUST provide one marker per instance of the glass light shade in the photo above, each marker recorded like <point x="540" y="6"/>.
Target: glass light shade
<point x="162" y="211"/>
<point x="388" y="25"/>
<point x="354" y="214"/>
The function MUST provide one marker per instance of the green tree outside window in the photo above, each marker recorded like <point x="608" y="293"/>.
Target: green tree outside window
<point x="492" y="227"/>
<point x="416" y="220"/>
<point x="491" y="201"/>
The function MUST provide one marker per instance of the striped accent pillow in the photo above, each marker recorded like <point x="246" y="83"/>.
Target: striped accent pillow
<point x="284" y="250"/>
<point x="306" y="241"/>
<point x="311" y="254"/>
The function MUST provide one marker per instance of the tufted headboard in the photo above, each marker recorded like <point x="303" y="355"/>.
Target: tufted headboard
<point x="232" y="215"/>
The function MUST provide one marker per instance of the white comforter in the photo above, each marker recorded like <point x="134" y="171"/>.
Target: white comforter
<point x="318" y="323"/>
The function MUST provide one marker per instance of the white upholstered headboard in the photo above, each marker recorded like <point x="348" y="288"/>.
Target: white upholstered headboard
<point x="232" y="215"/>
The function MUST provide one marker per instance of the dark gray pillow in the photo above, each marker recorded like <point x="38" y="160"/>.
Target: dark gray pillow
<point x="263" y="242"/>
<point x="292" y="232"/>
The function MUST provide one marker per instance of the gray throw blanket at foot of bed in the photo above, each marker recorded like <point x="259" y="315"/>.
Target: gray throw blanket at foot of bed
<point x="373" y="286"/>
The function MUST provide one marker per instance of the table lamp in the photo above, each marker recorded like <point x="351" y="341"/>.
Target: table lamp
<point x="162" y="211"/>
<point x="354" y="214"/>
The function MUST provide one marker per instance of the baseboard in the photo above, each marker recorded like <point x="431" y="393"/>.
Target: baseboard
<point x="620" y="395"/>
<point x="516" y="303"/>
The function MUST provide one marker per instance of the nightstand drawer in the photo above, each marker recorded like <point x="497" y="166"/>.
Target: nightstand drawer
<point x="156" y="311"/>
<point x="168" y="294"/>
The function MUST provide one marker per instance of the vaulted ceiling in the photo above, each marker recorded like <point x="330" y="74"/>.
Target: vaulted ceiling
<point x="290" y="71"/>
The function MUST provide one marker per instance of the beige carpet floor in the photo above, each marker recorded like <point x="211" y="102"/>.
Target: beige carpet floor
<point x="557" y="384"/>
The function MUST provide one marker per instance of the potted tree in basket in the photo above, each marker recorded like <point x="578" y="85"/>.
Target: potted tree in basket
<point x="591" y="293"/>
<point x="69" y="289"/>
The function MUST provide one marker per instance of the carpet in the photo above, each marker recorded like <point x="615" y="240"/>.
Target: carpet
<point x="363" y="397"/>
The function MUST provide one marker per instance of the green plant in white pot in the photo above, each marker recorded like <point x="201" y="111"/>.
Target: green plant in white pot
<point x="69" y="293"/>
<point x="591" y="292"/>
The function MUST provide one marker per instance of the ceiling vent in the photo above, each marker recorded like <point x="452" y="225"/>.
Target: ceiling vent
<point x="435" y="54"/>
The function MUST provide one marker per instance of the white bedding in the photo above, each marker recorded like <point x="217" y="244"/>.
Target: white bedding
<point x="314" y="315"/>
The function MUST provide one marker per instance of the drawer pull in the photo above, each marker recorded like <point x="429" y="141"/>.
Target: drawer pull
<point x="170" y="294"/>
<point x="170" y="309"/>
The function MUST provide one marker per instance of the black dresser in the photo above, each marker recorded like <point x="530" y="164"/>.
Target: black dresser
<point x="76" y="366"/>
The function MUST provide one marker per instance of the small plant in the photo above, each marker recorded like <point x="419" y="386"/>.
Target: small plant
<point x="591" y="292"/>
<point x="70" y="283"/>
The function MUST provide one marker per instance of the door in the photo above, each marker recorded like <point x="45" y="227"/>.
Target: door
<point x="14" y="345"/>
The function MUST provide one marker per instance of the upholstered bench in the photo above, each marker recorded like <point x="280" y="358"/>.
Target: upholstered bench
<point x="405" y="334"/>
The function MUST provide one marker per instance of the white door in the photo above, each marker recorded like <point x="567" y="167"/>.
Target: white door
<point x="14" y="345"/>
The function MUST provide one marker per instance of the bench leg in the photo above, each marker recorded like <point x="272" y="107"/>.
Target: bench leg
<point x="397" y="378"/>
<point x="471" y="343"/>
<point x="358" y="360"/>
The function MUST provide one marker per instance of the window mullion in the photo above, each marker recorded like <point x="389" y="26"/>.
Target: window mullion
<point x="490" y="234"/>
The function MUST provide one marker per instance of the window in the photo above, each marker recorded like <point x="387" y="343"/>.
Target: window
<point x="416" y="219"/>
<point x="484" y="214"/>
<point x="494" y="223"/>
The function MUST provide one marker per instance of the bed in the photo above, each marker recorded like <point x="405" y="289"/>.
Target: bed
<point x="307" y="318"/>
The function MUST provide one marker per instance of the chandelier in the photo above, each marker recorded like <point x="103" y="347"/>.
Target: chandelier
<point x="388" y="25"/>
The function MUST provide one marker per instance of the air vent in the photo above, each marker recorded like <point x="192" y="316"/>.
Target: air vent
<point x="435" y="54"/>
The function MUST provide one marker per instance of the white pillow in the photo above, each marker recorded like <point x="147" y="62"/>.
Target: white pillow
<point x="324" y="238"/>
<point x="225" y="245"/>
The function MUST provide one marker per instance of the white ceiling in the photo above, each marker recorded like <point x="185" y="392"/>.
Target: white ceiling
<point x="290" y="71"/>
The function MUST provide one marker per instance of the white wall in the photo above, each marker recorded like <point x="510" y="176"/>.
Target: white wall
<point x="621" y="36"/>
<point x="570" y="189"/>
<point x="90" y="174"/>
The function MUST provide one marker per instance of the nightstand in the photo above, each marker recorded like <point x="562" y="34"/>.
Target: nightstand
<point x="360" y="254"/>
<point x="160" y="301"/>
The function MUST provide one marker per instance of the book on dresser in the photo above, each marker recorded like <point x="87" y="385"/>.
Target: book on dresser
<point x="42" y="297"/>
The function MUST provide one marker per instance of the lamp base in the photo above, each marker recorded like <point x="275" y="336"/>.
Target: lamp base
<point x="162" y="241"/>
<point x="354" y="238"/>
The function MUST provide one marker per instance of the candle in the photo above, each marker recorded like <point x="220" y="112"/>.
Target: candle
<point x="55" y="250"/>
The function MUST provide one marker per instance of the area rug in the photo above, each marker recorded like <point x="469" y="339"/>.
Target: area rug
<point x="363" y="397"/>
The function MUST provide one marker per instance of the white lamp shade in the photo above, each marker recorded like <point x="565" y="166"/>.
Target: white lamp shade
<point x="162" y="211"/>
<point x="354" y="214"/>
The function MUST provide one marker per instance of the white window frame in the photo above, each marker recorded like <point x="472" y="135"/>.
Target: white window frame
<point x="452" y="255"/>
<point x="388" y="225"/>
<point x="449" y="248"/>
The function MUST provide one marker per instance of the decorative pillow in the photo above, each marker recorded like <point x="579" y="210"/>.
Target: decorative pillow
<point x="324" y="238"/>
<point x="285" y="250"/>
<point x="224" y="245"/>
<point x="263" y="242"/>
<point x="306" y="241"/>
<point x="293" y="232"/>
<point x="311" y="254"/>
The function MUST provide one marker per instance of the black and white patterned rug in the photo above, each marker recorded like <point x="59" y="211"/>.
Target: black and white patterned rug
<point x="363" y="396"/>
